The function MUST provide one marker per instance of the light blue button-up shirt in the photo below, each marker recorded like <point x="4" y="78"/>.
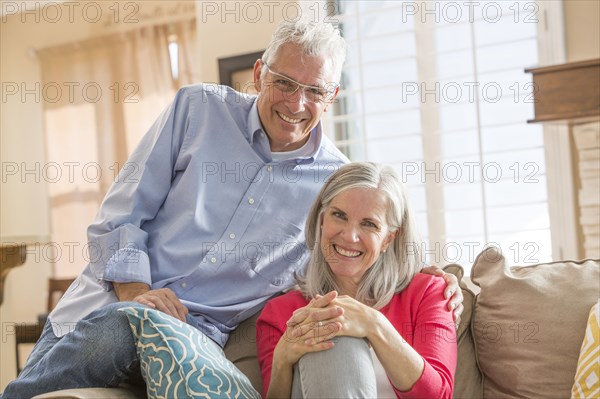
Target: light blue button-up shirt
<point x="202" y="209"/>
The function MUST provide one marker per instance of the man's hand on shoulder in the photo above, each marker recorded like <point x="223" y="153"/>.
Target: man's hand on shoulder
<point x="452" y="291"/>
<point x="163" y="299"/>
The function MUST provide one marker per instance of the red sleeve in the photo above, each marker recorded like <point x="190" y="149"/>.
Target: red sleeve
<point x="434" y="338"/>
<point x="270" y="326"/>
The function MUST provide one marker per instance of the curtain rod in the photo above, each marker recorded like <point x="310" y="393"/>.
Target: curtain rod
<point x="34" y="52"/>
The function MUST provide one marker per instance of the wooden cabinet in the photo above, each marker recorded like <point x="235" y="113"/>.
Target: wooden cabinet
<point x="567" y="92"/>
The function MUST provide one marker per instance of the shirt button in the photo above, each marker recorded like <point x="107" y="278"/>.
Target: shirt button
<point x="232" y="236"/>
<point x="183" y="285"/>
<point x="213" y="260"/>
<point x="270" y="168"/>
<point x="251" y="201"/>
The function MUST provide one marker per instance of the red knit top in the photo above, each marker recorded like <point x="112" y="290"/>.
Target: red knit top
<point x="419" y="313"/>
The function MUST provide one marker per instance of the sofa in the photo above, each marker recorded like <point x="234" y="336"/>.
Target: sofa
<point x="520" y="335"/>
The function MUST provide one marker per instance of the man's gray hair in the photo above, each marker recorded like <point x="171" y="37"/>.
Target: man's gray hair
<point x="394" y="269"/>
<point x="315" y="38"/>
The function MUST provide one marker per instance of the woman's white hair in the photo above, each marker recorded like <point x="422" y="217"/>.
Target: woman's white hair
<point x="315" y="38"/>
<point x="394" y="269"/>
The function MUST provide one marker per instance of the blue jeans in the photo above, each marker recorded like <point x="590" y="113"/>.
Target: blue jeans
<point x="99" y="352"/>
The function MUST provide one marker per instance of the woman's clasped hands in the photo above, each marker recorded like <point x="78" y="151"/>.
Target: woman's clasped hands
<point x="311" y="328"/>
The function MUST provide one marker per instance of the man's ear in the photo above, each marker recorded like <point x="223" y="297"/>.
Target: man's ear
<point x="257" y="72"/>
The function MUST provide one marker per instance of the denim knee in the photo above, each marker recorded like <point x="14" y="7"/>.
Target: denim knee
<point x="106" y="328"/>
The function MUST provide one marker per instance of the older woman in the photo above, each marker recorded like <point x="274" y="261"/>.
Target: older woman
<point x="376" y="327"/>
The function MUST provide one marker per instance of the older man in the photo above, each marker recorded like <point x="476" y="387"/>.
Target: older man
<point x="211" y="225"/>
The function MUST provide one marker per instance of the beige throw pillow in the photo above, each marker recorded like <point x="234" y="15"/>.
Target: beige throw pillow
<point x="529" y="322"/>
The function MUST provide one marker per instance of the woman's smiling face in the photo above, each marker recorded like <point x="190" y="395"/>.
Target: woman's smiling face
<point x="354" y="232"/>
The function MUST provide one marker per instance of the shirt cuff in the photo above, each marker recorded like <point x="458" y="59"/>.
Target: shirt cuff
<point x="127" y="265"/>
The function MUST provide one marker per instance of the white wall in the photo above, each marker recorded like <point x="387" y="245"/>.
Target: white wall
<point x="582" y="29"/>
<point x="234" y="28"/>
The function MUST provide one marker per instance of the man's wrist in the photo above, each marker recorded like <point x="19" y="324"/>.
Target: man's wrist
<point x="128" y="291"/>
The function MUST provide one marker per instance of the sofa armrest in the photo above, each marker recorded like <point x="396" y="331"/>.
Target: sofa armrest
<point x="93" y="393"/>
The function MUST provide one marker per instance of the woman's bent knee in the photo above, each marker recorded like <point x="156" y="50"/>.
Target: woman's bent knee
<point x="346" y="370"/>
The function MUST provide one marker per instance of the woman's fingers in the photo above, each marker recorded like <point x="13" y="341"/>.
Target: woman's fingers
<point x="324" y="333"/>
<point x="315" y="332"/>
<point x="316" y="310"/>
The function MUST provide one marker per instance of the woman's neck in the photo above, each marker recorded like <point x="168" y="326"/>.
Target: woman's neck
<point x="347" y="287"/>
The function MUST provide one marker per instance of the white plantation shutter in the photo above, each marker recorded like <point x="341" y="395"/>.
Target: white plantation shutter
<point x="438" y="90"/>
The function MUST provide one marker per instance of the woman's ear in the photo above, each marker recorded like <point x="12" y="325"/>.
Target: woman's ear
<point x="389" y="240"/>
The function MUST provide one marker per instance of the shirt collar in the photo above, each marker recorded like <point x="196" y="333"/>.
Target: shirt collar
<point x="315" y="138"/>
<point x="253" y="123"/>
<point x="255" y="128"/>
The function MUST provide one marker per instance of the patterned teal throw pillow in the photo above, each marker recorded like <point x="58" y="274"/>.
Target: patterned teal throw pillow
<point x="178" y="361"/>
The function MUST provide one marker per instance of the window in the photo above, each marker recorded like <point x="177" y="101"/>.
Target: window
<point x="174" y="56"/>
<point x="438" y="90"/>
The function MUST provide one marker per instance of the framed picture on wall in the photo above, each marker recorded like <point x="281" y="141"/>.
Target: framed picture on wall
<point x="237" y="71"/>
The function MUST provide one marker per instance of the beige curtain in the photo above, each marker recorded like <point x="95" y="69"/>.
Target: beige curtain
<point x="100" y="96"/>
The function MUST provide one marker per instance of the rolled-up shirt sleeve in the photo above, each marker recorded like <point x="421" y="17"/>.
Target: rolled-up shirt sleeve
<point x="117" y="240"/>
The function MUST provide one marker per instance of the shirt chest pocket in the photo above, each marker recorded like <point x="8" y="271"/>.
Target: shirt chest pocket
<point x="281" y="253"/>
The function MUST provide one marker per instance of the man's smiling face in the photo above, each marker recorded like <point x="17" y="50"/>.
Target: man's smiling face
<point x="288" y="119"/>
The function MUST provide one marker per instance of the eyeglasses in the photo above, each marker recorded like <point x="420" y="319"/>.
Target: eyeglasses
<point x="314" y="94"/>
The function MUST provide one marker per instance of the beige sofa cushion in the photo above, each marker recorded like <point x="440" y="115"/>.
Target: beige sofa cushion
<point x="529" y="322"/>
<point x="467" y="381"/>
<point x="241" y="350"/>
